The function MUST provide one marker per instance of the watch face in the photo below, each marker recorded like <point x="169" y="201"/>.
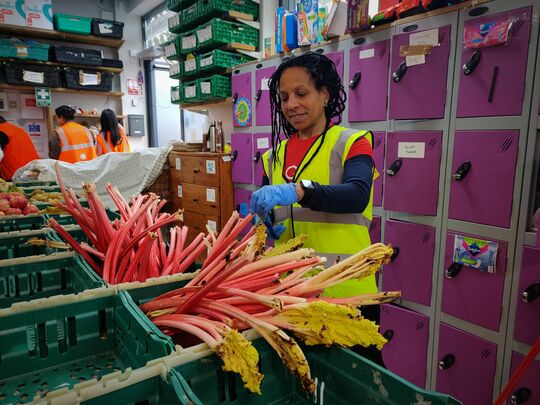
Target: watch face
<point x="307" y="184"/>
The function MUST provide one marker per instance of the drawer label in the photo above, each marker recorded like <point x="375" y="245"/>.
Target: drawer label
<point x="178" y="163"/>
<point x="180" y="194"/>
<point x="211" y="195"/>
<point x="212" y="225"/>
<point x="211" y="166"/>
<point x="475" y="253"/>
<point x="411" y="150"/>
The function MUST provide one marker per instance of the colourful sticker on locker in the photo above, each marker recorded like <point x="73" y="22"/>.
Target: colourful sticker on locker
<point x="242" y="112"/>
<point x="489" y="33"/>
<point x="475" y="253"/>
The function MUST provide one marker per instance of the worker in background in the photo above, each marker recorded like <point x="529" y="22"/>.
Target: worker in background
<point x="71" y="142"/>
<point x="318" y="181"/>
<point x="17" y="148"/>
<point x="112" y="137"/>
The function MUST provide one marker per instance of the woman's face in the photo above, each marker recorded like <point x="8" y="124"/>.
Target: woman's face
<point x="301" y="102"/>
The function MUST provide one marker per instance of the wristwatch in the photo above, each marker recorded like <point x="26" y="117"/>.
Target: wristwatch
<point x="309" y="188"/>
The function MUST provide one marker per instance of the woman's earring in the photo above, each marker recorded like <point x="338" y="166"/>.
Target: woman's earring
<point x="325" y="104"/>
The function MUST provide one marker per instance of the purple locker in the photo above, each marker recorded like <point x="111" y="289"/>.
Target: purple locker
<point x="337" y="57"/>
<point x="261" y="143"/>
<point x="262" y="96"/>
<point x="528" y="387"/>
<point x="411" y="268"/>
<point x="241" y="201"/>
<point x="368" y="81"/>
<point x="527" y="325"/>
<point x="419" y="91"/>
<point x="378" y="158"/>
<point x="241" y="92"/>
<point x="492" y="78"/>
<point x="475" y="179"/>
<point x="466" y="366"/>
<point x="411" y="182"/>
<point x="468" y="292"/>
<point x="241" y="158"/>
<point x="375" y="229"/>
<point x="404" y="328"/>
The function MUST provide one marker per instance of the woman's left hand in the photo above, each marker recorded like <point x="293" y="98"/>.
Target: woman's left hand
<point x="266" y="198"/>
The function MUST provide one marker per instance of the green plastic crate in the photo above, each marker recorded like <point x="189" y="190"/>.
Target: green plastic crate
<point x="35" y="183"/>
<point x="187" y="42"/>
<point x="72" y="23"/>
<point x="19" y="49"/>
<point x="176" y="94"/>
<point x="189" y="92"/>
<point x="178" y="5"/>
<point x="342" y="376"/>
<point x="190" y="16"/>
<point x="34" y="277"/>
<point x="219" y="33"/>
<point x="48" y="189"/>
<point x="218" y="61"/>
<point x="60" y="341"/>
<point x="215" y="8"/>
<point x="213" y="87"/>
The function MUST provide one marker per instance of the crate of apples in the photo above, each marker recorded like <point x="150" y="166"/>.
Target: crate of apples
<point x="15" y="203"/>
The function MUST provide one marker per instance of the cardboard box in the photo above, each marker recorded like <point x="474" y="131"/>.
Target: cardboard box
<point x="357" y="15"/>
<point x="12" y="12"/>
<point x="39" y="14"/>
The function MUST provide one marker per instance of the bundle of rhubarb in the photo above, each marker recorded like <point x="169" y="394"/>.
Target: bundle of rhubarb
<point x="242" y="286"/>
<point x="132" y="247"/>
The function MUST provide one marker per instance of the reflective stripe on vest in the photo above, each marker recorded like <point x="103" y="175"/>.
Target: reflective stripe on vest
<point x="103" y="141"/>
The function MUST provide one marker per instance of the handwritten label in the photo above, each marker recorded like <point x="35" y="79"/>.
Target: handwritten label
<point x="206" y="88"/>
<point x="207" y="61"/>
<point x="211" y="195"/>
<point x="205" y="34"/>
<point x="415" y="60"/>
<point x="170" y="50"/>
<point x="429" y="37"/>
<point x="264" y="84"/>
<point x="190" y="91"/>
<point x="178" y="162"/>
<point x="89" y="79"/>
<point x="22" y="51"/>
<point x="212" y="225"/>
<point x="175" y="95"/>
<point x="263" y="143"/>
<point x="190" y="65"/>
<point x="33" y="77"/>
<point x="175" y="69"/>
<point x="367" y="53"/>
<point x="174" y="20"/>
<point x="226" y="158"/>
<point x="189" y="42"/>
<point x="411" y="150"/>
<point x="211" y="166"/>
<point x="180" y="193"/>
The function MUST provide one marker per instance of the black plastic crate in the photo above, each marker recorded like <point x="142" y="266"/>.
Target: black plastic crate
<point x="107" y="28"/>
<point x="79" y="56"/>
<point x="31" y="75"/>
<point x="114" y="63"/>
<point x="75" y="79"/>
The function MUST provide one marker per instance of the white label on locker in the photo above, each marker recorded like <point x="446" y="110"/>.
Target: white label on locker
<point x="189" y="42"/>
<point x="207" y="61"/>
<point x="415" y="60"/>
<point x="263" y="143"/>
<point x="191" y="91"/>
<point x="190" y="65"/>
<point x="264" y="84"/>
<point x="170" y="50"/>
<point x="206" y="88"/>
<point x="211" y="195"/>
<point x="212" y="225"/>
<point x="411" y="150"/>
<point x="33" y="77"/>
<point x="211" y="166"/>
<point x="226" y="158"/>
<point x="367" y="53"/>
<point x="178" y="162"/>
<point x="180" y="194"/>
<point x="429" y="37"/>
<point x="205" y="34"/>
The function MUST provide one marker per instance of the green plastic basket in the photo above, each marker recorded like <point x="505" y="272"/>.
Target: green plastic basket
<point x="35" y="183"/>
<point x="187" y="42"/>
<point x="176" y="94"/>
<point x="215" y="8"/>
<point x="219" y="33"/>
<point x="19" y="49"/>
<point x="213" y="87"/>
<point x="218" y="61"/>
<point x="189" y="92"/>
<point x="34" y="277"/>
<point x="61" y="341"/>
<point x="190" y="16"/>
<point x="178" y="5"/>
<point x="72" y="23"/>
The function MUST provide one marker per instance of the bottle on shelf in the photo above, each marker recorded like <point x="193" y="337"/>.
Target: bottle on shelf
<point x="206" y="131"/>
<point x="212" y="137"/>
<point x="219" y="137"/>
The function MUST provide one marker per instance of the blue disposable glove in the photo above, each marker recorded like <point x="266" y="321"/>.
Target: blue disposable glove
<point x="267" y="197"/>
<point x="272" y="232"/>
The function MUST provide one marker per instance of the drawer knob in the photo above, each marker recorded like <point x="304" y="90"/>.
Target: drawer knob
<point x="447" y="362"/>
<point x="453" y="270"/>
<point x="472" y="63"/>
<point x="398" y="75"/>
<point x="462" y="171"/>
<point x="520" y="396"/>
<point x="531" y="293"/>
<point x="388" y="335"/>
<point x="394" y="167"/>
<point x="395" y="253"/>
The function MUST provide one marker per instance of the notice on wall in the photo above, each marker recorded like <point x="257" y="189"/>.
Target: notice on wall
<point x="29" y="110"/>
<point x="411" y="150"/>
<point x="475" y="253"/>
<point x="133" y="87"/>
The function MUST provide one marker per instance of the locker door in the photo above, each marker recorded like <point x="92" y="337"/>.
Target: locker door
<point x="404" y="328"/>
<point x="338" y="58"/>
<point x="411" y="179"/>
<point x="468" y="293"/>
<point x="527" y="324"/>
<point x="476" y="179"/>
<point x="262" y="96"/>
<point x="241" y="93"/>
<point x="368" y="81"/>
<point x="242" y="171"/>
<point x="419" y="91"/>
<point x="411" y="268"/>
<point x="527" y="391"/>
<point x="378" y="158"/>
<point x="466" y="366"/>
<point x="375" y="230"/>
<point x="492" y="78"/>
<point x="261" y="143"/>
<point x="241" y="201"/>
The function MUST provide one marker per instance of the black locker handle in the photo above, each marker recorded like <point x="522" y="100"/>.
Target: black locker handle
<point x="462" y="171"/>
<point x="394" y="167"/>
<point x="257" y="156"/>
<point x="447" y="362"/>
<point x="388" y="335"/>
<point x="400" y="72"/>
<point x="355" y="80"/>
<point x="234" y="155"/>
<point x="235" y="98"/>
<point x="520" y="396"/>
<point x="453" y="270"/>
<point x="472" y="63"/>
<point x="258" y="95"/>
<point x="531" y="293"/>
<point x="395" y="253"/>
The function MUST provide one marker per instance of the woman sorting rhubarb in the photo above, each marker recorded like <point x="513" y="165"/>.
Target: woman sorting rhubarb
<point x="318" y="180"/>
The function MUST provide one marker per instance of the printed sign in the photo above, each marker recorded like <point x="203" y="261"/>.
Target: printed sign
<point x="43" y="97"/>
<point x="475" y="253"/>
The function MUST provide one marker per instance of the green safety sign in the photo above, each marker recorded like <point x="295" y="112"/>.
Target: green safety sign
<point x="43" y="97"/>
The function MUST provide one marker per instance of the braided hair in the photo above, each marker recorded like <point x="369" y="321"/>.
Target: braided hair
<point x="324" y="74"/>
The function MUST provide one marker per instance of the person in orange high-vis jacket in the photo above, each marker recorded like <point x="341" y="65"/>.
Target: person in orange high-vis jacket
<point x="17" y="147"/>
<point x="112" y="137"/>
<point x="72" y="142"/>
